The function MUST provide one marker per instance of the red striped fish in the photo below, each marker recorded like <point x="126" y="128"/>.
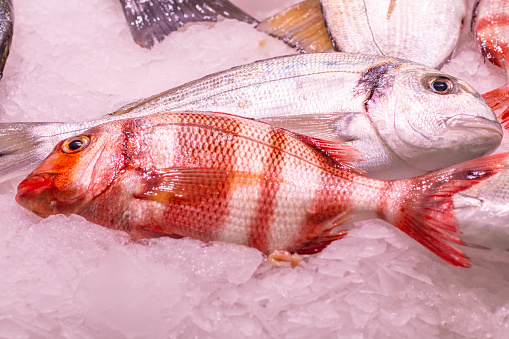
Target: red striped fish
<point x="491" y="25"/>
<point x="220" y="177"/>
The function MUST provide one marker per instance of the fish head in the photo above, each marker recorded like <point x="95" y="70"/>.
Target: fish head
<point x="77" y="170"/>
<point x="432" y="120"/>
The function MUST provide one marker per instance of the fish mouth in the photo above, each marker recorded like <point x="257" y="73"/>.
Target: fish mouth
<point x="34" y="194"/>
<point x="475" y="125"/>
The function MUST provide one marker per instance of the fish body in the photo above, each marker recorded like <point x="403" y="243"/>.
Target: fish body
<point x="406" y="119"/>
<point x="425" y="31"/>
<point x="6" y="29"/>
<point x="219" y="177"/>
<point x="151" y="20"/>
<point x="482" y="212"/>
<point x="491" y="28"/>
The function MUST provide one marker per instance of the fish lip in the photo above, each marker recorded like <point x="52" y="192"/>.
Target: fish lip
<point x="30" y="192"/>
<point x="36" y="182"/>
<point x="474" y="124"/>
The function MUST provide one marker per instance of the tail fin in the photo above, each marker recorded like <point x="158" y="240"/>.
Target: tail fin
<point x="423" y="208"/>
<point x="24" y="145"/>
<point x="300" y="26"/>
<point x="158" y="18"/>
<point x="498" y="99"/>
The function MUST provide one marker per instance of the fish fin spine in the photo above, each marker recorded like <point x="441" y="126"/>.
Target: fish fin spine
<point x="342" y="153"/>
<point x="319" y="243"/>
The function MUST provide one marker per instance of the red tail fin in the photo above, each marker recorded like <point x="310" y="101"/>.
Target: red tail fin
<point x="498" y="99"/>
<point x="424" y="206"/>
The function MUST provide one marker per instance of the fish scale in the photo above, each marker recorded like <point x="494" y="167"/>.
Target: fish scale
<point x="233" y="179"/>
<point x="384" y="107"/>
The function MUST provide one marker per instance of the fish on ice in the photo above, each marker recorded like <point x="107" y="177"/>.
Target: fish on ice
<point x="220" y="177"/>
<point x="490" y="23"/>
<point x="424" y="31"/>
<point x="406" y="119"/>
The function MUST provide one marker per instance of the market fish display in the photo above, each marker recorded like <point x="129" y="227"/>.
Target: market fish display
<point x="491" y="26"/>
<point x="155" y="19"/>
<point x="6" y="28"/>
<point x="220" y="177"/>
<point x="422" y="31"/>
<point x="405" y="119"/>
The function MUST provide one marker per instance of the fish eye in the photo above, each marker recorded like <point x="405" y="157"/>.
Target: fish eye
<point x="75" y="145"/>
<point x="440" y="85"/>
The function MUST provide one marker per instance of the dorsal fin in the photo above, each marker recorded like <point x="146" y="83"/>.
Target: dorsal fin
<point x="342" y="153"/>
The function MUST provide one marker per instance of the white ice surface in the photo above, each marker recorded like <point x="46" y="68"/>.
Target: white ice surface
<point x="64" y="277"/>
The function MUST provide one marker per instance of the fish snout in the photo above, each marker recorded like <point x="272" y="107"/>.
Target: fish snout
<point x="35" y="194"/>
<point x="474" y="136"/>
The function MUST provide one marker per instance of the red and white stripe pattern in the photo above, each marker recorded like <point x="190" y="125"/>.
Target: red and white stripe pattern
<point x="215" y="176"/>
<point x="233" y="180"/>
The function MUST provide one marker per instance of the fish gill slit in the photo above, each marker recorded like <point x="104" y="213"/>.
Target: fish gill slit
<point x="382" y="140"/>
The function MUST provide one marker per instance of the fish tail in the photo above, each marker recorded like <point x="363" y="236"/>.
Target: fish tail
<point x="22" y="146"/>
<point x="423" y="207"/>
<point x="149" y="20"/>
<point x="300" y="26"/>
<point x="498" y="100"/>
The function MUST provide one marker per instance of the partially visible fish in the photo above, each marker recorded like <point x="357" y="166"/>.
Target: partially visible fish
<point x="424" y="31"/>
<point x="491" y="27"/>
<point x="482" y="212"/>
<point x="6" y="28"/>
<point x="301" y="26"/>
<point x="155" y="19"/>
<point x="406" y="119"/>
<point x="220" y="177"/>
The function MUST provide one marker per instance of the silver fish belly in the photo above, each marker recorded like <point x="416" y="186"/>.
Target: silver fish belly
<point x="399" y="114"/>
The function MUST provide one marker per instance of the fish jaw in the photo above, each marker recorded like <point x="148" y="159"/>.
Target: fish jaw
<point x="467" y="137"/>
<point x="35" y="194"/>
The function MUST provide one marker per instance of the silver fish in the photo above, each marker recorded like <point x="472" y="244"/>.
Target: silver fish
<point x="424" y="31"/>
<point x="155" y="19"/>
<point x="6" y="28"/>
<point x="406" y="119"/>
<point x="482" y="212"/>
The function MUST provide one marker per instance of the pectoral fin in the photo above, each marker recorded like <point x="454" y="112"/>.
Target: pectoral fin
<point x="192" y="185"/>
<point x="300" y="26"/>
<point x="329" y="132"/>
